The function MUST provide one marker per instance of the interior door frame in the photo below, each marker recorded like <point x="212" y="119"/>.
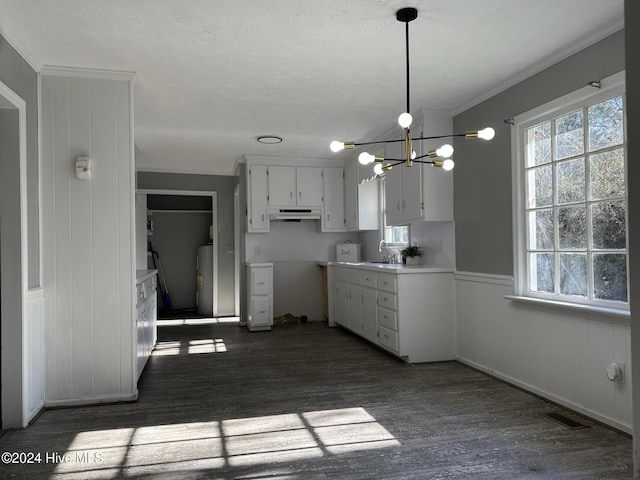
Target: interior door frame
<point x="236" y="247"/>
<point x="214" y="222"/>
<point x="13" y="341"/>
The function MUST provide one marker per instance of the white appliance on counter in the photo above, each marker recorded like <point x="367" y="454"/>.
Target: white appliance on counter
<point x="348" y="252"/>
<point x="204" y="278"/>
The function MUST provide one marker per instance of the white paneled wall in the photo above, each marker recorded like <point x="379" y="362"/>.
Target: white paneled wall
<point x="562" y="357"/>
<point x="35" y="352"/>
<point x="88" y="257"/>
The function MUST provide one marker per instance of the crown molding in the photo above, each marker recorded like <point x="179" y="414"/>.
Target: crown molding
<point x="539" y="67"/>
<point x="18" y="46"/>
<point x="91" y="73"/>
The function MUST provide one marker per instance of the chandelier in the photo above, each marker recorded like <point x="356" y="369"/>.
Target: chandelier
<point x="440" y="157"/>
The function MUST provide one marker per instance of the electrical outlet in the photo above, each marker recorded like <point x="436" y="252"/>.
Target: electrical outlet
<point x="258" y="250"/>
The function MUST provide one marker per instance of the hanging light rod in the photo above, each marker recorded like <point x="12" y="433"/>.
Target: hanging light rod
<point x="437" y="158"/>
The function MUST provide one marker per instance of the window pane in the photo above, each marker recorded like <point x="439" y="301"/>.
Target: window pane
<point x="571" y="181"/>
<point x="610" y="276"/>
<point x="542" y="272"/>
<point x="396" y="235"/>
<point x="607" y="174"/>
<point x="539" y="141"/>
<point x="573" y="274"/>
<point x="608" y="220"/>
<point x="572" y="227"/>
<point x="540" y="186"/>
<point x="606" y="127"/>
<point x="569" y="135"/>
<point x="541" y="225"/>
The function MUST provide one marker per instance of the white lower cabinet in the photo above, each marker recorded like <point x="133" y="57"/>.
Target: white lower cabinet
<point x="406" y="311"/>
<point x="146" y="319"/>
<point x="259" y="296"/>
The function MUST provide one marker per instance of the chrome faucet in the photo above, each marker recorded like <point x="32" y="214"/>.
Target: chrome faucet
<point x="388" y="257"/>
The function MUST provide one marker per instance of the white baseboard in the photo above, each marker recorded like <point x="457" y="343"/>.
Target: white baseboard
<point x="76" y="402"/>
<point x="627" y="428"/>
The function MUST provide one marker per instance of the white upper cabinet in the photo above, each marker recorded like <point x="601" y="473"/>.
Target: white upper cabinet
<point x="291" y="186"/>
<point x="416" y="193"/>
<point x="282" y="186"/>
<point x="309" y="186"/>
<point x="258" y="214"/>
<point x="333" y="193"/>
<point x="361" y="200"/>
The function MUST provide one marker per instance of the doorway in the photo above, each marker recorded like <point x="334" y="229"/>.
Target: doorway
<point x="13" y="261"/>
<point x="171" y="213"/>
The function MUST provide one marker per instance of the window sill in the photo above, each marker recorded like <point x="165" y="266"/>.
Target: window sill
<point x="589" y="312"/>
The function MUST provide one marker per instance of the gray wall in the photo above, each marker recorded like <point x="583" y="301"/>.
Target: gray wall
<point x="482" y="178"/>
<point x="223" y="186"/>
<point x="22" y="79"/>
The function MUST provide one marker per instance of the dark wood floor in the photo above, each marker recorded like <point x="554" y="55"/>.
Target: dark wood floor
<point x="309" y="402"/>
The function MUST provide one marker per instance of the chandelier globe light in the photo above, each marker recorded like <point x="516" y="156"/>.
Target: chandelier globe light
<point x="439" y="157"/>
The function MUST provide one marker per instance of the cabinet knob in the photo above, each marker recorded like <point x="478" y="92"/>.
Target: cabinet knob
<point x="327" y="217"/>
<point x="290" y="194"/>
<point x="299" y="194"/>
<point x="398" y="205"/>
<point x="263" y="217"/>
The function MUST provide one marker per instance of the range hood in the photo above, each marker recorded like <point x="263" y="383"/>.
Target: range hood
<point x="294" y="214"/>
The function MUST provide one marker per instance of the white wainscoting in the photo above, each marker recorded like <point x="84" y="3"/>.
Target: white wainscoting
<point x="561" y="356"/>
<point x="34" y="365"/>
<point x="88" y="240"/>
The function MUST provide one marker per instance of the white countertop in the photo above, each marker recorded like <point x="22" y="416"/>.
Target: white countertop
<point x="395" y="267"/>
<point x="142" y="275"/>
<point x="259" y="264"/>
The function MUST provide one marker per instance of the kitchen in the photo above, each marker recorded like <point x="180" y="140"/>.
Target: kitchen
<point x="536" y="349"/>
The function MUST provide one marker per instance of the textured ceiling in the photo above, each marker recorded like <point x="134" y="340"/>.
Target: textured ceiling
<point x="214" y="75"/>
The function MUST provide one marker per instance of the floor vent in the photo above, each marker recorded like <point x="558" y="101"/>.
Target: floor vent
<point x="566" y="421"/>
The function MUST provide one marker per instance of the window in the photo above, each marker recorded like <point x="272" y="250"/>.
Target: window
<point x="394" y="236"/>
<point x="572" y="208"/>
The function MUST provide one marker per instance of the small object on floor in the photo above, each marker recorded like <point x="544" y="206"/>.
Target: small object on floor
<point x="286" y="319"/>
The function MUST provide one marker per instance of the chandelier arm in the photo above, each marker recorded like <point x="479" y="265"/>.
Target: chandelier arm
<point x="378" y="142"/>
<point x="417" y="160"/>
<point x="442" y="136"/>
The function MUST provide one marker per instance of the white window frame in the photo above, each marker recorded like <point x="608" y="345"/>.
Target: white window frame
<point x="610" y="87"/>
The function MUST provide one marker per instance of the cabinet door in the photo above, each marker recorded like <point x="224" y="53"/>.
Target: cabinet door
<point x="412" y="192"/>
<point x="258" y="215"/>
<point x="393" y="195"/>
<point x="341" y="303"/>
<point x="355" y="308"/>
<point x="260" y="310"/>
<point x="333" y="193"/>
<point x="260" y="280"/>
<point x="437" y="194"/>
<point x="282" y="186"/>
<point x="309" y="186"/>
<point x="351" y="196"/>
<point x="369" y="315"/>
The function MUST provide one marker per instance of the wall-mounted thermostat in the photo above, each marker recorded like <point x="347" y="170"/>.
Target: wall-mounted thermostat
<point x="83" y="167"/>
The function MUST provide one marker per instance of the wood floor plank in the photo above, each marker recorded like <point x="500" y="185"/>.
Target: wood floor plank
<point x="309" y="402"/>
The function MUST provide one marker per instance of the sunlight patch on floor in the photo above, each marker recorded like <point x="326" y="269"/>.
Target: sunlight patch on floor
<point x="265" y="440"/>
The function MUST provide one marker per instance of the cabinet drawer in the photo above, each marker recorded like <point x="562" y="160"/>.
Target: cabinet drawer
<point x="368" y="279"/>
<point x="388" y="338"/>
<point x="260" y="281"/>
<point x="388" y="319"/>
<point x="341" y="274"/>
<point x="260" y="311"/>
<point x="387" y="300"/>
<point x="387" y="283"/>
<point x="354" y="277"/>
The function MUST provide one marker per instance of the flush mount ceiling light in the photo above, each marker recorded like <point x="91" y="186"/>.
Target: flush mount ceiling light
<point x="269" y="139"/>
<point x="439" y="157"/>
